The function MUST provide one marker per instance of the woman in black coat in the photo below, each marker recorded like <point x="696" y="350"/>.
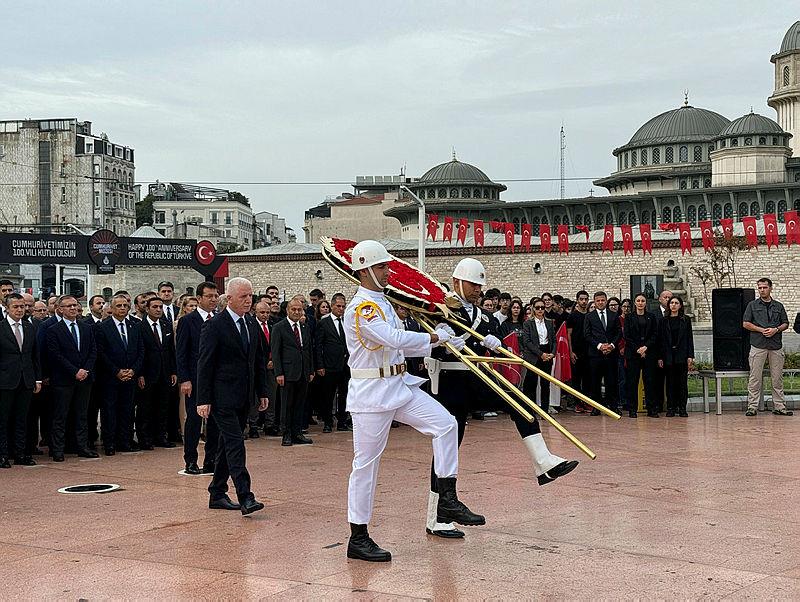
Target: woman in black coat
<point x="677" y="356"/>
<point x="514" y="322"/>
<point x="641" y="354"/>
<point x="538" y="349"/>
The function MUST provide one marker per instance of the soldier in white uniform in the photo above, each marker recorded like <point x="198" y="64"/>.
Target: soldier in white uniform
<point x="381" y="390"/>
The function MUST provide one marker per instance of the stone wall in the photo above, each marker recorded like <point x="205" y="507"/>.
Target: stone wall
<point x="138" y="279"/>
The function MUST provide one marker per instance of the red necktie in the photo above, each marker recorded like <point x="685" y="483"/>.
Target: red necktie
<point x="155" y="332"/>
<point x="209" y="316"/>
<point x="266" y="330"/>
<point x="297" y="335"/>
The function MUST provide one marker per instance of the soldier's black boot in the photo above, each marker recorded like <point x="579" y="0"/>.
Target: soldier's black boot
<point x="453" y="510"/>
<point x="361" y="546"/>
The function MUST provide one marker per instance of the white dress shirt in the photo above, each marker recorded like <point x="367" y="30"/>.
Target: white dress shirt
<point x="300" y="330"/>
<point x="541" y="328"/>
<point x="150" y="324"/>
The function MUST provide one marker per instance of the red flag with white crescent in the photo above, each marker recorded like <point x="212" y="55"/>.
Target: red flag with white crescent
<point x="707" y="230"/>
<point x="750" y="232"/>
<point x="608" y="238"/>
<point x="563" y="238"/>
<point x="508" y="227"/>
<point x="646" y="234"/>
<point x="685" y="232"/>
<point x="478" y="232"/>
<point x="584" y="229"/>
<point x="433" y="225"/>
<point x="726" y="223"/>
<point x="448" y="229"/>
<point x="462" y="230"/>
<point x="668" y="227"/>
<point x="496" y="226"/>
<point x="527" y="233"/>
<point x="544" y="237"/>
<point x="562" y="369"/>
<point x="792" y="227"/>
<point x="627" y="238"/>
<point x="771" y="229"/>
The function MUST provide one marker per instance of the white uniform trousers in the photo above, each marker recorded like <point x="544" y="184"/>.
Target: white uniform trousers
<point x="370" y="433"/>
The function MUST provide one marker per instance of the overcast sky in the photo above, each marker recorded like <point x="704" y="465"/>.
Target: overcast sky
<point x="295" y="92"/>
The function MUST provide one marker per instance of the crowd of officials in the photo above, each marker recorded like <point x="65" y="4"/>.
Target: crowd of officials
<point x="122" y="375"/>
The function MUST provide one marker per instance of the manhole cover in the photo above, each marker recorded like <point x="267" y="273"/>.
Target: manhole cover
<point x="89" y="488"/>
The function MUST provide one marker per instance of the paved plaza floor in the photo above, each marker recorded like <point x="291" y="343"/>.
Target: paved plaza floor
<point x="704" y="507"/>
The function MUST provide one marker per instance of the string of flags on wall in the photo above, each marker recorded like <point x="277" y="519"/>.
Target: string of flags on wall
<point x="562" y="232"/>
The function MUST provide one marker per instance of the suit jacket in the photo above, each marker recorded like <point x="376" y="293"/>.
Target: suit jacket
<point x="90" y="320"/>
<point x="159" y="356"/>
<point x="64" y="359"/>
<point x="112" y="355"/>
<point x="676" y="351"/>
<point x="330" y="349"/>
<point x="18" y="366"/>
<point x="187" y="346"/>
<point x="41" y="342"/>
<point x="635" y="338"/>
<point x="228" y="374"/>
<point x="595" y="334"/>
<point x="485" y="324"/>
<point x="289" y="360"/>
<point x="529" y="341"/>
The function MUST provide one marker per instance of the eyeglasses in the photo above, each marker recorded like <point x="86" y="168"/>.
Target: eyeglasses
<point x="538" y="307"/>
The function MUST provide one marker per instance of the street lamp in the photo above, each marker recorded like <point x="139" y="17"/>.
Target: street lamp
<point x="421" y="233"/>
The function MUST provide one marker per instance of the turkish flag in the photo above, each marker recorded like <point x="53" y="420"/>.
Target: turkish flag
<point x="563" y="238"/>
<point x="433" y="225"/>
<point x="771" y="229"/>
<point x="584" y="229"/>
<point x="669" y="227"/>
<point x="685" y="231"/>
<point x="527" y="233"/>
<point x="792" y="228"/>
<point x="727" y="227"/>
<point x="750" y="233"/>
<point x="477" y="229"/>
<point x="608" y="238"/>
<point x="707" y="229"/>
<point x="462" y="231"/>
<point x="496" y="226"/>
<point x="627" y="238"/>
<point x="509" y="233"/>
<point x="646" y="234"/>
<point x="544" y="237"/>
<point x="448" y="229"/>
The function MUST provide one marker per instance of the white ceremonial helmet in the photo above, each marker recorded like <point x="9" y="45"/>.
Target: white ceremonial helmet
<point x="368" y="253"/>
<point x="471" y="270"/>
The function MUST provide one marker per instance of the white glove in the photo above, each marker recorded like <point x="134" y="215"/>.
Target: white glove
<point x="446" y="328"/>
<point x="491" y="342"/>
<point x="443" y="335"/>
<point x="458" y="342"/>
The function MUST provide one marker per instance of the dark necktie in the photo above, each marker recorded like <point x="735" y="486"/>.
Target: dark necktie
<point x="297" y="335"/>
<point x="243" y="333"/>
<point x="122" y="333"/>
<point x="155" y="332"/>
<point x="603" y="319"/>
<point x="168" y="313"/>
<point x="340" y="329"/>
<point x="74" y="329"/>
<point x="209" y="315"/>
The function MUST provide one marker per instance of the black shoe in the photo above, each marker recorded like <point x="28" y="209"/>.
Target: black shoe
<point x="223" y="503"/>
<point x="58" y="457"/>
<point x="783" y="412"/>
<point x="192" y="468"/>
<point x="4" y="463"/>
<point x="287" y="441"/>
<point x="559" y="470"/>
<point x="252" y="433"/>
<point x="87" y="453"/>
<point x="477" y="416"/>
<point x="207" y="468"/>
<point x="361" y="546"/>
<point x="25" y="461"/>
<point x="272" y="432"/>
<point x="632" y="415"/>
<point x="750" y="412"/>
<point x="446" y="533"/>
<point x="146" y="446"/>
<point x="134" y="446"/>
<point x="328" y="428"/>
<point x="250" y="505"/>
<point x="683" y="414"/>
<point x="110" y="451"/>
<point x="653" y="415"/>
<point x="395" y="424"/>
<point x="167" y="444"/>
<point x="669" y="414"/>
<point x="346" y="427"/>
<point x="453" y="510"/>
<point x="301" y="440"/>
<point x="595" y="412"/>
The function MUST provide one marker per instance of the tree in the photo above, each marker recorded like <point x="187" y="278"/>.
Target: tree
<point x="719" y="264"/>
<point x="229" y="247"/>
<point x="238" y="197"/>
<point x="144" y="210"/>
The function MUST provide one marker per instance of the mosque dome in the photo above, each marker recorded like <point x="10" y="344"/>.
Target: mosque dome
<point x="791" y="41"/>
<point x="454" y="172"/>
<point x="749" y="124"/>
<point x="684" y="124"/>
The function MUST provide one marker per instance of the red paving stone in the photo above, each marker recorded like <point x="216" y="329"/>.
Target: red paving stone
<point x="703" y="507"/>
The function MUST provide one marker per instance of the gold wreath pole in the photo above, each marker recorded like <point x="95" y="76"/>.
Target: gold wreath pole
<point x="542" y="373"/>
<point x="544" y="415"/>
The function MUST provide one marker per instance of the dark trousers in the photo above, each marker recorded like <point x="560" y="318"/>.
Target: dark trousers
<point x="14" y="405"/>
<point x="116" y="413"/>
<point x="637" y="367"/>
<point x="532" y="380"/>
<point x="659" y="382"/>
<point x="39" y="419"/>
<point x="152" y="415"/>
<point x="231" y="453"/>
<point x="677" y="381"/>
<point x="95" y="409"/>
<point x="191" y="434"/>
<point x="173" y="419"/>
<point x="272" y="415"/>
<point x="293" y="410"/>
<point x="334" y="394"/>
<point x="604" y="371"/>
<point x="65" y="398"/>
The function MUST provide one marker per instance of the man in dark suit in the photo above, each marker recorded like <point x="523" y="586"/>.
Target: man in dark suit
<point x="157" y="378"/>
<point x="187" y="343"/>
<point x="271" y="416"/>
<point x="292" y="361"/>
<point x="602" y="331"/>
<point x="71" y="355"/>
<point x="96" y="303"/>
<point x="120" y="352"/>
<point x="330" y="351"/>
<point x="20" y="377"/>
<point x="659" y="375"/>
<point x="95" y="316"/>
<point x="231" y="370"/>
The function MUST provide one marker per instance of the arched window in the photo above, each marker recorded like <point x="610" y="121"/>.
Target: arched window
<point x="622" y="218"/>
<point x="781" y="210"/>
<point x="755" y="210"/>
<point x="600" y="221"/>
<point x="644" y="156"/>
<point x="748" y="141"/>
<point x="578" y="220"/>
<point x="769" y="207"/>
<point x="710" y="150"/>
<point x="683" y="154"/>
<point x="796" y="205"/>
<point x="666" y="215"/>
<point x="683" y="184"/>
<point x="786" y="79"/>
<point x="695" y="183"/>
<point x="653" y="218"/>
<point x="465" y="193"/>
<point x="486" y="193"/>
<point x="431" y="193"/>
<point x="677" y="214"/>
<point x="742" y="210"/>
<point x="476" y="193"/>
<point x="632" y="218"/>
<point x="728" y="210"/>
<point x="443" y="193"/>
<point x="701" y="212"/>
<point x="545" y="220"/>
<point x="723" y="143"/>
<point x="454" y="193"/>
<point x="668" y="155"/>
<point x="633" y="158"/>
<point x="626" y="161"/>
<point x="535" y="220"/>
<point x="706" y="182"/>
<point x="716" y="213"/>
<point x="609" y="218"/>
<point x="656" y="156"/>
<point x="516" y="225"/>
<point x="698" y="154"/>
<point x="587" y="220"/>
<point x="734" y="142"/>
<point x="691" y="215"/>
<point x="645" y="216"/>
<point x="557" y="220"/>
<point x="762" y="140"/>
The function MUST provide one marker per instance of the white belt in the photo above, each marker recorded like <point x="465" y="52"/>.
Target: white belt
<point x="382" y="372"/>
<point x="453" y="366"/>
